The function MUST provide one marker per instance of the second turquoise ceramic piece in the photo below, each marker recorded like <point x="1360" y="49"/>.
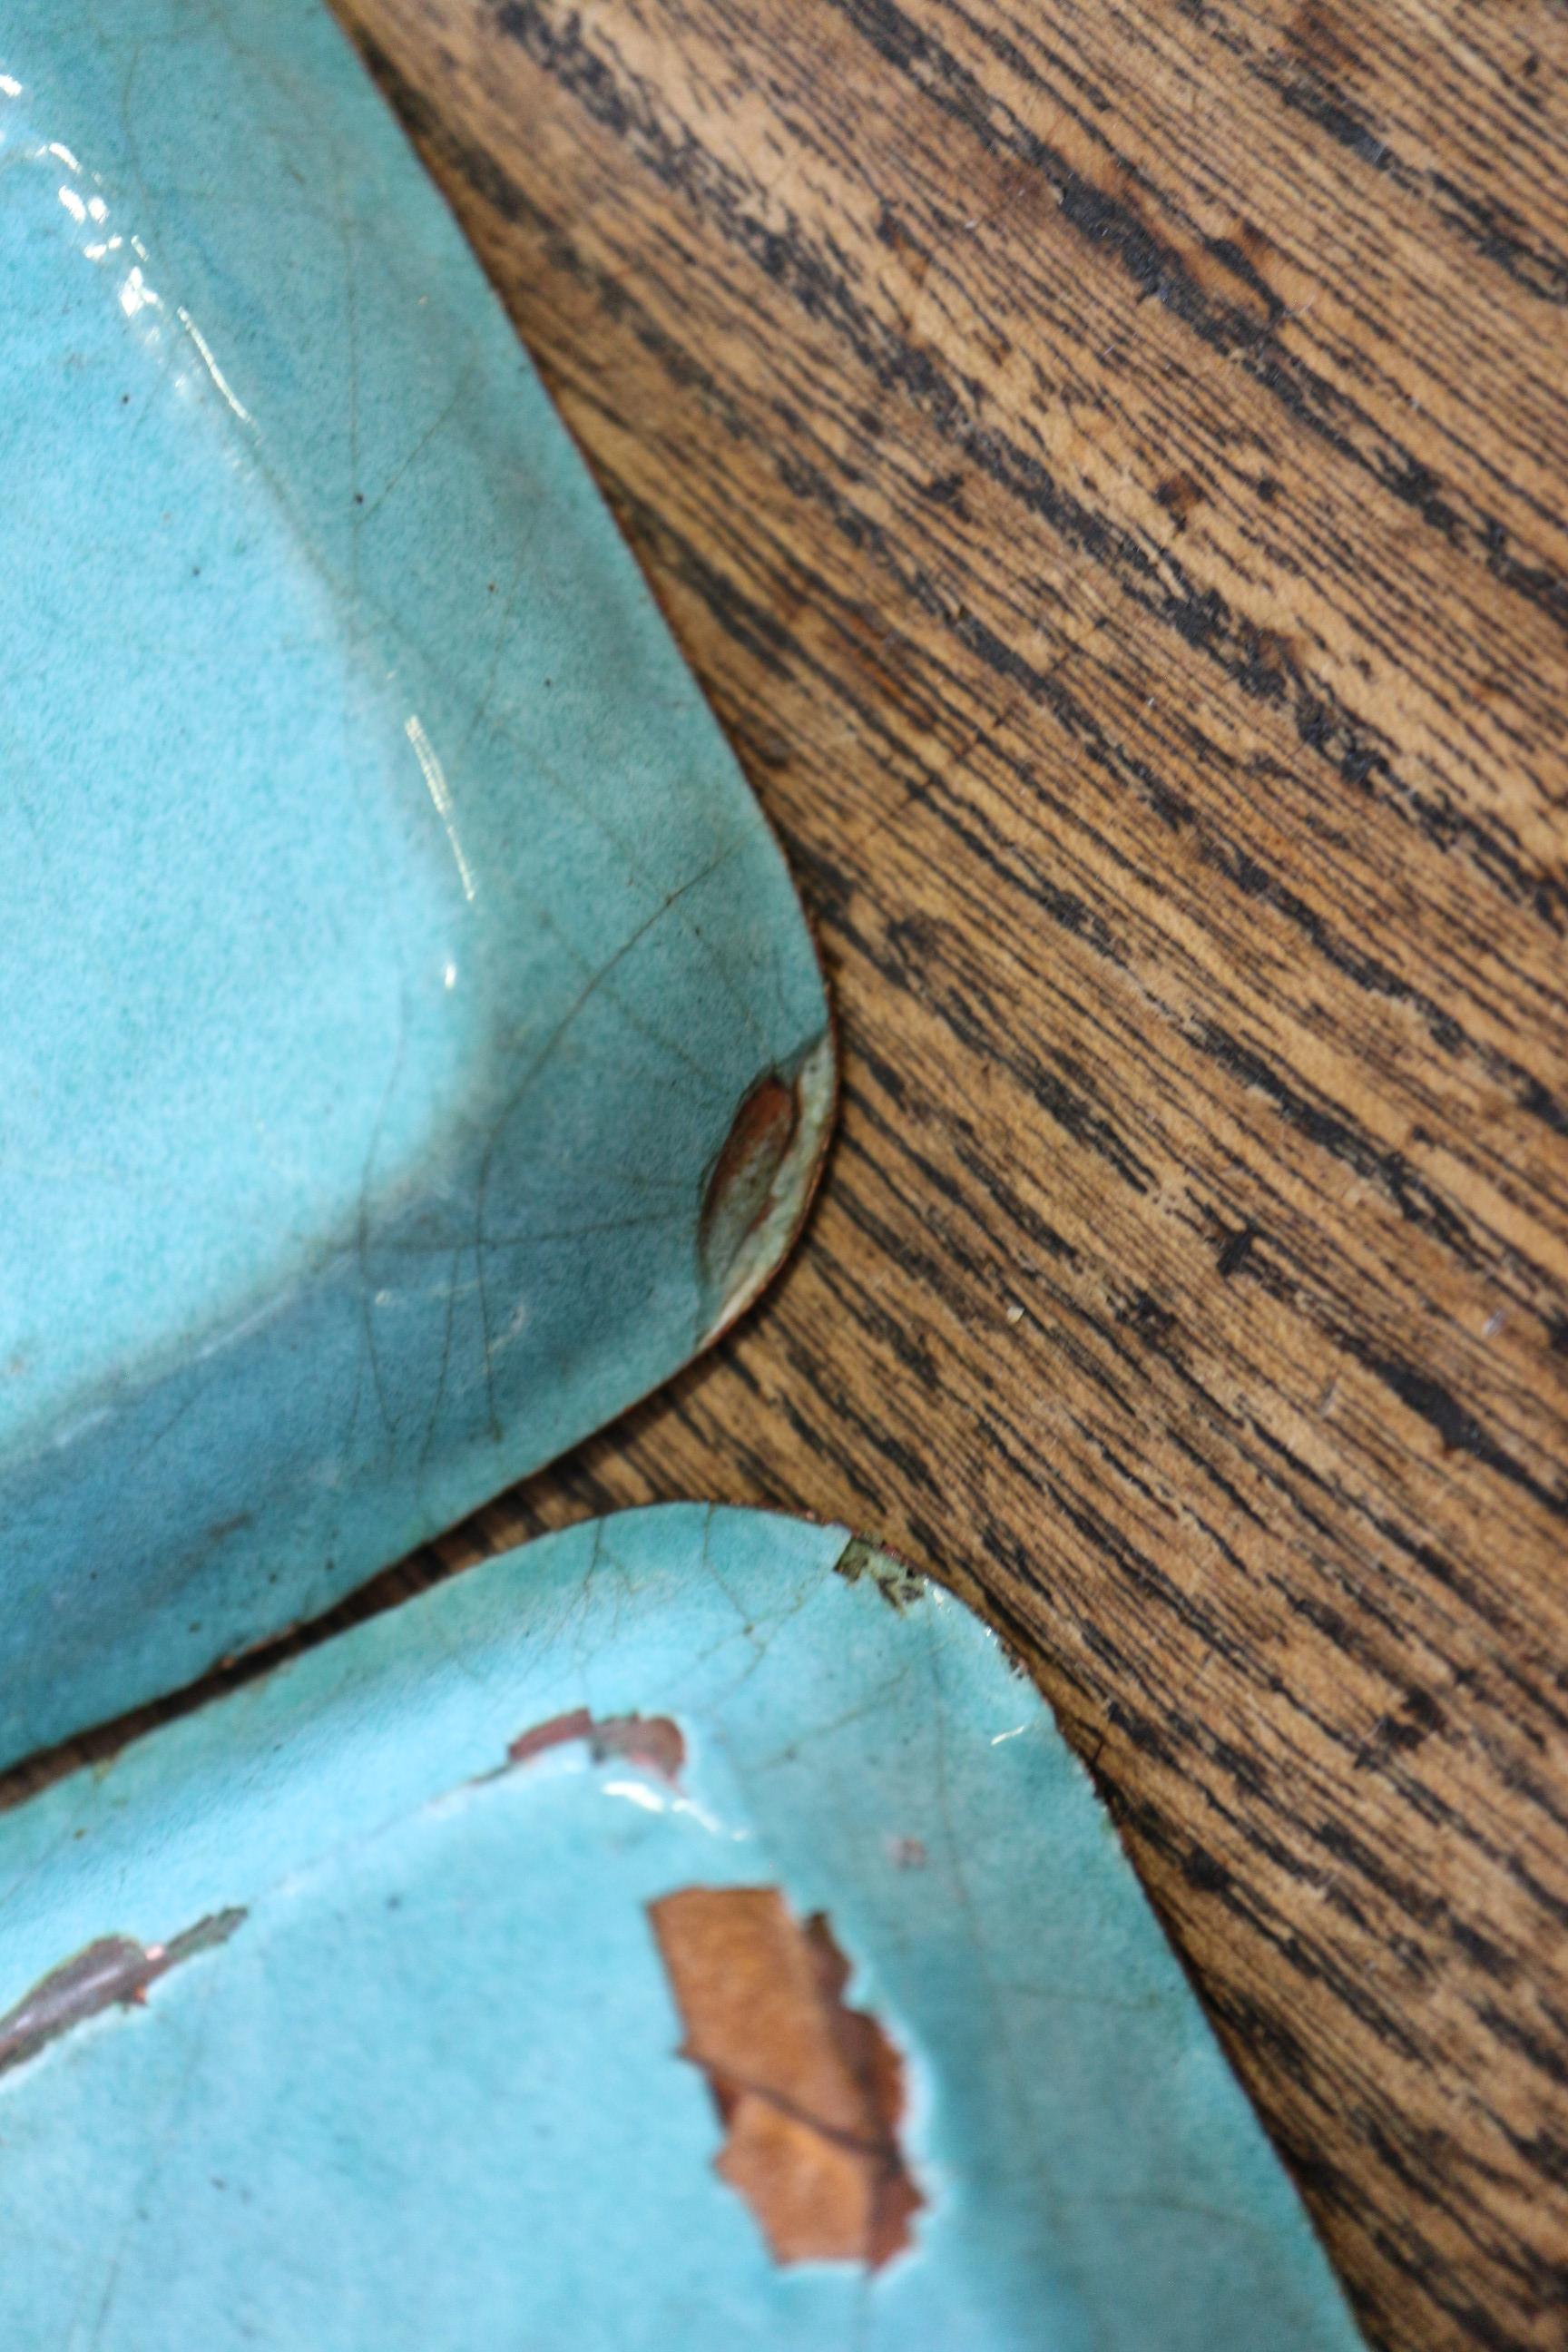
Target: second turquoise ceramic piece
<point x="413" y="1049"/>
<point x="560" y="1959"/>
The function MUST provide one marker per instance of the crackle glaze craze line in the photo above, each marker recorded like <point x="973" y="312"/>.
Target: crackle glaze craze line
<point x="419" y="2031"/>
<point x="416" y="1048"/>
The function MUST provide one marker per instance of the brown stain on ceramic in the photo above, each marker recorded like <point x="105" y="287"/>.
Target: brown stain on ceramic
<point x="112" y="1972"/>
<point x="760" y="1184"/>
<point x="811" y="2093"/>
<point x="655" y="1742"/>
<point x="741" y="1183"/>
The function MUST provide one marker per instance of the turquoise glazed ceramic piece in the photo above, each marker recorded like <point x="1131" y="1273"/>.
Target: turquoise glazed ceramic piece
<point x="548" y="1962"/>
<point x="413" y="1048"/>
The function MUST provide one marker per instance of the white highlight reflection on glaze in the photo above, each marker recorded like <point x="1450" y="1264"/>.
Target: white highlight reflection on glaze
<point x="441" y="796"/>
<point x="213" y="369"/>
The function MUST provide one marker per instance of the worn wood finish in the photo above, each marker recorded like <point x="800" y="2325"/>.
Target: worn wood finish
<point x="1106" y="463"/>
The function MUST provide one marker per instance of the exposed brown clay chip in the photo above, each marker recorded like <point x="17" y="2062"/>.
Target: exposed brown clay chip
<point x="116" y="1968"/>
<point x="740" y="1184"/>
<point x="812" y="2092"/>
<point x="651" y="1741"/>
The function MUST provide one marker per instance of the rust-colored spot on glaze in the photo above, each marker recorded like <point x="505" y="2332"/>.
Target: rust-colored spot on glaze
<point x="116" y="1971"/>
<point x="740" y="1188"/>
<point x="653" y="1741"/>
<point x="812" y="2093"/>
<point x="760" y="1182"/>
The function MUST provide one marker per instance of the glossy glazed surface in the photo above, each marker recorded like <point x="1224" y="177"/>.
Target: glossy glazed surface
<point x="390" y="940"/>
<point x="415" y="2080"/>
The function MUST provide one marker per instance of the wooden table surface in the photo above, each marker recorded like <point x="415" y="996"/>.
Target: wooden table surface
<point x="1105" y="460"/>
